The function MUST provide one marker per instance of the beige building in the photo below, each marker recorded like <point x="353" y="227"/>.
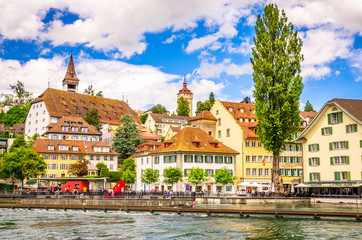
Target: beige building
<point x="160" y="123"/>
<point x="186" y="94"/>
<point x="205" y="121"/>
<point x="332" y="145"/>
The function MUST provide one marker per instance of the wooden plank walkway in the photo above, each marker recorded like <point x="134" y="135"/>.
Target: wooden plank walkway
<point x="242" y="213"/>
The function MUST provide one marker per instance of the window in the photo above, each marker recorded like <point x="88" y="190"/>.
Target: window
<point x="326" y="131"/>
<point x="46" y="156"/>
<point x="242" y="110"/>
<point x="271" y="158"/>
<point x="314" y="176"/>
<point x="219" y="121"/>
<point x="254" y="171"/>
<point x="260" y="158"/>
<point x="338" y="145"/>
<point x="75" y="148"/>
<point x="228" y="132"/>
<point x="351" y="128"/>
<point x="313" y="147"/>
<point x="91" y="157"/>
<point x="314" y="161"/>
<point x="248" y="172"/>
<point x="266" y="171"/>
<point x="289" y="172"/>
<point x="282" y="172"/>
<point x="63" y="166"/>
<point x="54" y="137"/>
<point x="228" y="160"/>
<point x="260" y="172"/>
<point x="84" y="138"/>
<point x="253" y="158"/>
<point x="64" y="128"/>
<point x="84" y="129"/>
<point x="247" y="158"/>
<point x="209" y="172"/>
<point x="253" y="143"/>
<point x="54" y="157"/>
<point x="72" y="157"/>
<point x="80" y="157"/>
<point x="98" y="157"/>
<point x="247" y="143"/>
<point x="63" y="148"/>
<point x="342" y="176"/>
<point x="157" y="160"/>
<point x="51" y="148"/>
<point x="63" y="157"/>
<point x="75" y="129"/>
<point x="266" y="158"/>
<point x="219" y="133"/>
<point x="340" y="160"/>
<point x="111" y="158"/>
<point x="335" y="118"/>
<point x="106" y="158"/>
<point x="217" y="112"/>
<point x="259" y="144"/>
<point x="230" y="109"/>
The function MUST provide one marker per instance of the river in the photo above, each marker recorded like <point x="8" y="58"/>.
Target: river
<point x="57" y="224"/>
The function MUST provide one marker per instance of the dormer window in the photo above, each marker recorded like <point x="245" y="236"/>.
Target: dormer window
<point x="84" y="129"/>
<point x="51" y="148"/>
<point x="75" y="129"/>
<point x="246" y="120"/>
<point x="64" y="128"/>
<point x="253" y="111"/>
<point x="230" y="109"/>
<point x="252" y="120"/>
<point x="242" y="110"/>
<point x="63" y="148"/>
<point x="241" y="120"/>
<point x="66" y="122"/>
<point x="75" y="148"/>
<point x="73" y="123"/>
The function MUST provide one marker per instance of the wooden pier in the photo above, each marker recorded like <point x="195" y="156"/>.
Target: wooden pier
<point x="179" y="210"/>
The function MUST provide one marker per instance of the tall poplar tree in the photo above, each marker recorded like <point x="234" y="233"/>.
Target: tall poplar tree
<point x="276" y="73"/>
<point x="308" y="107"/>
<point x="182" y="107"/>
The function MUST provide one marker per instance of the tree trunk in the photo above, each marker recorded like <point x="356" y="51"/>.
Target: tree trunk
<point x="275" y="173"/>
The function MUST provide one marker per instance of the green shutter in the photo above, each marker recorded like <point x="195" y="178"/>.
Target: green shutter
<point x="347" y="159"/>
<point x="340" y="116"/>
<point x="212" y="159"/>
<point x="175" y="158"/>
<point x="318" y="161"/>
<point x="347" y="145"/>
<point x="280" y="171"/>
<point x="216" y="159"/>
<point x="169" y="158"/>
<point x="185" y="172"/>
<point x="221" y="159"/>
<point x="330" y="146"/>
<point x="322" y="131"/>
<point x="349" y="176"/>
<point x="360" y="143"/>
<point x="329" y="119"/>
<point x="185" y="158"/>
<point x="195" y="158"/>
<point x="231" y="159"/>
<point x="192" y="158"/>
<point x="337" y="176"/>
<point x="310" y="177"/>
<point x="310" y="161"/>
<point x="212" y="171"/>
<point x="347" y="129"/>
<point x="309" y="148"/>
<point x="291" y="159"/>
<point x="319" y="176"/>
<point x="202" y="158"/>
<point x="164" y="159"/>
<point x="297" y="159"/>
<point x="317" y="147"/>
<point x="331" y="130"/>
<point x="298" y="172"/>
<point x="292" y="172"/>
<point x="290" y="147"/>
<point x="296" y="148"/>
<point x="332" y="162"/>
<point x="285" y="172"/>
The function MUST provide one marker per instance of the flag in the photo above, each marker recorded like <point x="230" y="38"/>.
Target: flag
<point x="263" y="161"/>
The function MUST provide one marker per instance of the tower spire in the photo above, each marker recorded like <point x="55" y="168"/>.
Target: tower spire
<point x="185" y="83"/>
<point x="70" y="81"/>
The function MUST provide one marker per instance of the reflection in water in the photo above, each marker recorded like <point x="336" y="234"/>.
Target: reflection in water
<point x="54" y="224"/>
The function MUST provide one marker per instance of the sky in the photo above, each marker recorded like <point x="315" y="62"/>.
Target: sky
<point x="141" y="50"/>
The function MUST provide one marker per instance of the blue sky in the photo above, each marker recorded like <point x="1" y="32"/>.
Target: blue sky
<point x="140" y="50"/>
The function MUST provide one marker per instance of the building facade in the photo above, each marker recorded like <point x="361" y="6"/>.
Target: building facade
<point x="186" y="94"/>
<point x="160" y="123"/>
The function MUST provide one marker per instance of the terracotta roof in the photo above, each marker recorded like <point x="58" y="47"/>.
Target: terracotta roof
<point x="240" y="110"/>
<point x="184" y="88"/>
<point x="310" y="114"/>
<point x="61" y="103"/>
<point x="72" y="122"/>
<point x="93" y="168"/>
<point x="183" y="141"/>
<point x="352" y="106"/>
<point x="146" y="147"/>
<point x="162" y="117"/>
<point x="204" y="115"/>
<point x="150" y="136"/>
<point x="175" y="129"/>
<point x="70" y="75"/>
<point x="85" y="147"/>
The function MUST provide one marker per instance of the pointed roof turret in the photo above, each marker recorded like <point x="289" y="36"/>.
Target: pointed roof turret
<point x="70" y="75"/>
<point x="184" y="89"/>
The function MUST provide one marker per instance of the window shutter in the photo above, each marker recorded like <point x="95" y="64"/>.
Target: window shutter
<point x="330" y="146"/>
<point x="297" y="159"/>
<point x="337" y="176"/>
<point x="340" y="116"/>
<point x="310" y="161"/>
<point x="291" y="159"/>
<point x="185" y="158"/>
<point x="175" y="158"/>
<point x="216" y="159"/>
<point x="202" y="158"/>
<point x="290" y="147"/>
<point x="292" y="172"/>
<point x="280" y="171"/>
<point x="296" y="148"/>
<point x="164" y="159"/>
<point x="298" y="172"/>
<point x="212" y="159"/>
<point x="346" y="144"/>
<point x="221" y="159"/>
<point x="331" y="130"/>
<point x="318" y="161"/>
<point x="285" y="172"/>
<point x="192" y="158"/>
<point x="317" y="147"/>
<point x="319" y="176"/>
<point x="322" y="131"/>
<point x="185" y="172"/>
<point x="309" y="148"/>
<point x="329" y="119"/>
<point x="347" y="159"/>
<point x="332" y="163"/>
<point x="169" y="158"/>
<point x="349" y="176"/>
<point x="347" y="129"/>
<point x="360" y="143"/>
<point x="231" y="160"/>
<point x="212" y="171"/>
<point x="310" y="177"/>
<point x="195" y="158"/>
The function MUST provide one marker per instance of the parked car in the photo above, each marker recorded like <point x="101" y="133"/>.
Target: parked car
<point x="241" y="192"/>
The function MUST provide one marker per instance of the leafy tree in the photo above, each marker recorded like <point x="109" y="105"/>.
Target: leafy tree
<point x="127" y="138"/>
<point x="308" y="107"/>
<point x="32" y="139"/>
<point x="159" y="109"/>
<point x="16" y="114"/>
<point x="276" y="58"/>
<point x="150" y="176"/>
<point x="79" y="168"/>
<point x="128" y="169"/>
<point x="19" y="93"/>
<point x="143" y="118"/>
<point x="8" y="97"/>
<point x="205" y="106"/>
<point x="23" y="163"/>
<point x="183" y="107"/>
<point x="101" y="166"/>
<point x="224" y="176"/>
<point x="5" y="134"/>
<point x="92" y="118"/>
<point x="90" y="91"/>
<point x="172" y="175"/>
<point x="19" y="141"/>
<point x="197" y="175"/>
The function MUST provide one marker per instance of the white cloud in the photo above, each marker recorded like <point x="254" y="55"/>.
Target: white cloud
<point x="209" y="69"/>
<point x="248" y="92"/>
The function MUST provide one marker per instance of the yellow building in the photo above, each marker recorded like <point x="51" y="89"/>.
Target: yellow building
<point x="332" y="146"/>
<point x="160" y="123"/>
<point x="205" y="121"/>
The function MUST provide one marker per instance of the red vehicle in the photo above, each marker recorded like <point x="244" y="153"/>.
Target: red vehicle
<point x="117" y="190"/>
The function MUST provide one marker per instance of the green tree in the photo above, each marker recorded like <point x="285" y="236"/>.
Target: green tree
<point x="128" y="169"/>
<point x="159" y="109"/>
<point x="224" y="176"/>
<point x="90" y="91"/>
<point x="308" y="107"/>
<point x="23" y="163"/>
<point x="276" y="58"/>
<point x="197" y="175"/>
<point x="182" y="107"/>
<point x="16" y="114"/>
<point x="172" y="175"/>
<point x="20" y="93"/>
<point x="92" y="118"/>
<point x="101" y="166"/>
<point x="143" y="118"/>
<point x="32" y="139"/>
<point x="79" y="168"/>
<point x="19" y="141"/>
<point x="205" y="106"/>
<point x="127" y="138"/>
<point x="150" y="176"/>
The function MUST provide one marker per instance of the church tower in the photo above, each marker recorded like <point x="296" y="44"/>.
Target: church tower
<point x="186" y="94"/>
<point x="70" y="81"/>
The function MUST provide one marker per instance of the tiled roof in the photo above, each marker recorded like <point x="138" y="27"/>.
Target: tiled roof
<point x="93" y="168"/>
<point x="240" y="110"/>
<point x="352" y="106"/>
<point x="183" y="141"/>
<point x="146" y="147"/>
<point x="162" y="117"/>
<point x="70" y="75"/>
<point x="72" y="122"/>
<point x="61" y="103"/>
<point x="85" y="147"/>
<point x="204" y="115"/>
<point x="175" y="129"/>
<point x="150" y="136"/>
<point x="310" y="114"/>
